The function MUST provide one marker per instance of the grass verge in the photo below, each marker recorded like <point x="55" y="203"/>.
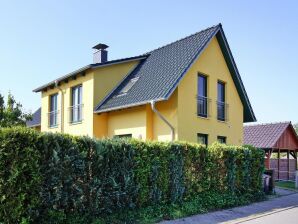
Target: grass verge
<point x="285" y="184"/>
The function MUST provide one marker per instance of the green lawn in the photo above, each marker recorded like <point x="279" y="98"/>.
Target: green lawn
<point x="285" y="184"/>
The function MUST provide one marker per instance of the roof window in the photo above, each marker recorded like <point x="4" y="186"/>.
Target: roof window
<point x="128" y="86"/>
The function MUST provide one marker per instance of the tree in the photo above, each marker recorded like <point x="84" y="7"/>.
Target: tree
<point x="296" y="127"/>
<point x="11" y="113"/>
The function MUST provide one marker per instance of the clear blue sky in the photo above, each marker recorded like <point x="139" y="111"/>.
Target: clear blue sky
<point x="40" y="41"/>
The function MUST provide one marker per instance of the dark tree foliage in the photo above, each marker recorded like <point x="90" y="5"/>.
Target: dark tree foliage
<point x="296" y="127"/>
<point x="11" y="113"/>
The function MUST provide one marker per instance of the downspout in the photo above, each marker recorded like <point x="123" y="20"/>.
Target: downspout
<point x="164" y="119"/>
<point x="61" y="106"/>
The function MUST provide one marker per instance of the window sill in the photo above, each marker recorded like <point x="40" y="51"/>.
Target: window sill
<point x="205" y="118"/>
<point x="224" y="122"/>
<point x="75" y="122"/>
<point x="53" y="127"/>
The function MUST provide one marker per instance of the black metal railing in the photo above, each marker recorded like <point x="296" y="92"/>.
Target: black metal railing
<point x="76" y="113"/>
<point x="53" y="118"/>
<point x="202" y="106"/>
<point x="222" y="111"/>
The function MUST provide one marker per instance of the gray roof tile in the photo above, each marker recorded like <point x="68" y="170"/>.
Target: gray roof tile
<point x="160" y="72"/>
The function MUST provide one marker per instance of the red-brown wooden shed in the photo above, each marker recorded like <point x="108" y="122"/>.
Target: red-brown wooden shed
<point x="275" y="138"/>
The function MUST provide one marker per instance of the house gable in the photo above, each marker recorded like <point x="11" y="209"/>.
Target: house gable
<point x="212" y="64"/>
<point x="160" y="73"/>
<point x="288" y="139"/>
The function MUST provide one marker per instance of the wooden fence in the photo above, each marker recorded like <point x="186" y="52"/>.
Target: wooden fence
<point x="286" y="172"/>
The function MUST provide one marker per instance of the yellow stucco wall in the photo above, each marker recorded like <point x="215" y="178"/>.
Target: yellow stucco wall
<point x="142" y="123"/>
<point x="149" y="123"/>
<point x="96" y="84"/>
<point x="212" y="64"/>
<point x="169" y="109"/>
<point x="83" y="128"/>
<point x="129" y="121"/>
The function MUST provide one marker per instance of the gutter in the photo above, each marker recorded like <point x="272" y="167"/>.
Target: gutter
<point x="164" y="119"/>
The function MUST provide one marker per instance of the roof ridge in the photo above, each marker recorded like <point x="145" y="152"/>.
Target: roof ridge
<point x="211" y="27"/>
<point x="271" y="123"/>
<point x="116" y="60"/>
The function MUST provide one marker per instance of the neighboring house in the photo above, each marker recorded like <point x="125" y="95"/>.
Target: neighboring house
<point x="187" y="90"/>
<point x="35" y="122"/>
<point x="275" y="138"/>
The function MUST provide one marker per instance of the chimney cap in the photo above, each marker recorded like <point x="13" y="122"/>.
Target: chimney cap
<point x="100" y="46"/>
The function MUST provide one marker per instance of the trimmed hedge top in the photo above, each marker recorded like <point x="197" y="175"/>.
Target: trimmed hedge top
<point x="41" y="173"/>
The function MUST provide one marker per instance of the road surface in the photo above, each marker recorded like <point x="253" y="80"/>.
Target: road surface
<point x="283" y="209"/>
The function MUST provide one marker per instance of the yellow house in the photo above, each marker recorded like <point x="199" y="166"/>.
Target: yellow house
<point x="187" y="90"/>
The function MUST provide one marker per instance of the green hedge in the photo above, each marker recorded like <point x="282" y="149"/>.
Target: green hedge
<point x="51" y="176"/>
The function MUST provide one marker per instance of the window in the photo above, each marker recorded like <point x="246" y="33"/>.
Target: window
<point x="202" y="139"/>
<point x="53" y="114"/>
<point x="76" y="109"/>
<point x="221" y="105"/>
<point x="128" y="86"/>
<point x="123" y="136"/>
<point x="222" y="139"/>
<point x="202" y="104"/>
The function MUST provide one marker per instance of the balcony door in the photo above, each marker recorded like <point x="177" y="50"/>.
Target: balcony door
<point x="53" y="114"/>
<point x="202" y="104"/>
<point x="221" y="104"/>
<point x="76" y="107"/>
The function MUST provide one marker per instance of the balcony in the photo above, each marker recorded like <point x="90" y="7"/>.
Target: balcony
<point x="76" y="113"/>
<point x="203" y="106"/>
<point x="222" y="111"/>
<point x="53" y="118"/>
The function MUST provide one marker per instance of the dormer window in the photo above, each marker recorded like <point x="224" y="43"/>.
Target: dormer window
<point x="128" y="86"/>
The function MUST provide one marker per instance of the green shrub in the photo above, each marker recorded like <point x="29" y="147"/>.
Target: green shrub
<point x="57" y="178"/>
<point x="20" y="175"/>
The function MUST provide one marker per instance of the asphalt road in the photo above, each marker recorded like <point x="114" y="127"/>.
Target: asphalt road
<point x="283" y="209"/>
<point x="286" y="216"/>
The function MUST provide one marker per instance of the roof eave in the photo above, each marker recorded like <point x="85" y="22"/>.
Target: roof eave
<point x="91" y="66"/>
<point x="62" y="78"/>
<point x="248" y="114"/>
<point x="33" y="126"/>
<point x="127" y="106"/>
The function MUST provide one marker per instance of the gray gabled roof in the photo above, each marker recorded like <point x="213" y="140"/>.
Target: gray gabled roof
<point x="159" y="74"/>
<point x="36" y="119"/>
